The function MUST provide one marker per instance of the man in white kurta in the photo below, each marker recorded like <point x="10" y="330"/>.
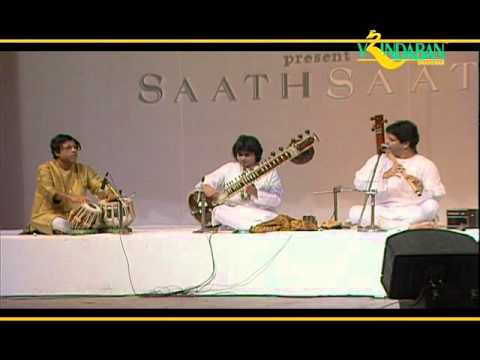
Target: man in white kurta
<point x="242" y="213"/>
<point x="257" y="202"/>
<point x="396" y="203"/>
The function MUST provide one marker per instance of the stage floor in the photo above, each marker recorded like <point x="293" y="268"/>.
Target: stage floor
<point x="173" y="260"/>
<point x="196" y="302"/>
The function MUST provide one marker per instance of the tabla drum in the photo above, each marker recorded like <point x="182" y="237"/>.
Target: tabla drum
<point x="86" y="216"/>
<point x="111" y="212"/>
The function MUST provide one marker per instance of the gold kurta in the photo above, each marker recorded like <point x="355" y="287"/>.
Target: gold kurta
<point x="52" y="179"/>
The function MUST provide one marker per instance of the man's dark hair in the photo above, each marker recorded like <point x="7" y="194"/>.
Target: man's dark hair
<point x="57" y="142"/>
<point x="405" y="131"/>
<point x="248" y="143"/>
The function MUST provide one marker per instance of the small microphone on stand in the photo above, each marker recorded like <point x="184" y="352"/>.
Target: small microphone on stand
<point x="104" y="181"/>
<point x="202" y="200"/>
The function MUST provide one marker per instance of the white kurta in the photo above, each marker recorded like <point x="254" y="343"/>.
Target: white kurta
<point x="241" y="214"/>
<point x="396" y="203"/>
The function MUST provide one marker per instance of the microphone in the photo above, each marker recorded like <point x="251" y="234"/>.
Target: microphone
<point x="384" y="146"/>
<point x="202" y="191"/>
<point x="104" y="182"/>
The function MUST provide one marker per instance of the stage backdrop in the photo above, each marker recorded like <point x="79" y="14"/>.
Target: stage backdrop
<point x="159" y="121"/>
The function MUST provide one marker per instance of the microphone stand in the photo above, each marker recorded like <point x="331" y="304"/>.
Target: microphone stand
<point x="370" y="193"/>
<point x="203" y="208"/>
<point x="335" y="191"/>
<point x="121" y="205"/>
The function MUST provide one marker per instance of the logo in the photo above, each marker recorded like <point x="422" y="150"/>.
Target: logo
<point x="392" y="56"/>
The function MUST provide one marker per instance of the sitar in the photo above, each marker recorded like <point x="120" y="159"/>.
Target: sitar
<point x="299" y="151"/>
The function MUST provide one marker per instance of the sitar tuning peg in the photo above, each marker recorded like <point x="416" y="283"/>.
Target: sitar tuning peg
<point x="300" y="136"/>
<point x="272" y="153"/>
<point x="280" y="148"/>
<point x="307" y="132"/>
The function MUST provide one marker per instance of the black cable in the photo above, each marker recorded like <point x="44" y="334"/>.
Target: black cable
<point x="212" y="276"/>
<point x="257" y="272"/>
<point x="420" y="296"/>
<point x="191" y="290"/>
<point x="123" y="247"/>
<point x="128" y="264"/>
<point x="389" y="304"/>
<point x="187" y="291"/>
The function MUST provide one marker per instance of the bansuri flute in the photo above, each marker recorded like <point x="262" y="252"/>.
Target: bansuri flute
<point x="393" y="159"/>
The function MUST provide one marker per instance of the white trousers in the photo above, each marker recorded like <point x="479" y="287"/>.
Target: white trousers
<point x="392" y="217"/>
<point x="240" y="217"/>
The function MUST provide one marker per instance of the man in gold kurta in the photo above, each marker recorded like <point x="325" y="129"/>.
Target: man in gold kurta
<point x="61" y="185"/>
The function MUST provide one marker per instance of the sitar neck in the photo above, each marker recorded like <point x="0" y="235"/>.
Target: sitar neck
<point x="297" y="148"/>
<point x="249" y="176"/>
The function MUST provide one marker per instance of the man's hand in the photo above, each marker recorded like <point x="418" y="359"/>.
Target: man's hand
<point x="252" y="191"/>
<point x="111" y="197"/>
<point x="395" y="170"/>
<point x="210" y="192"/>
<point x="78" y="199"/>
<point x="106" y="195"/>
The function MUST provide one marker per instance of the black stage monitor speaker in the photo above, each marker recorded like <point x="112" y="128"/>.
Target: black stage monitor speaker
<point x="440" y="266"/>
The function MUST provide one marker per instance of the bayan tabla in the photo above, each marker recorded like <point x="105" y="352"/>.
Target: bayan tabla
<point x="111" y="212"/>
<point x="86" y="216"/>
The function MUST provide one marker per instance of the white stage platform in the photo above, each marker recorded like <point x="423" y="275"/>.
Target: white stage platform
<point x="162" y="260"/>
